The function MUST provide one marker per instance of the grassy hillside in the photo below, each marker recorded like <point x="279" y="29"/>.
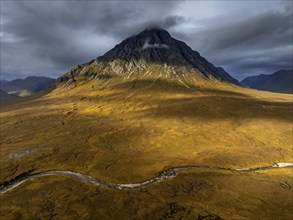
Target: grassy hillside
<point x="126" y="130"/>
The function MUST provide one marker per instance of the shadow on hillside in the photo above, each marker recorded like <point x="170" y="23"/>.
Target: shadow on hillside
<point x="201" y="102"/>
<point x="116" y="136"/>
<point x="164" y="86"/>
<point x="220" y="108"/>
<point x="75" y="140"/>
<point x="207" y="103"/>
<point x="22" y="100"/>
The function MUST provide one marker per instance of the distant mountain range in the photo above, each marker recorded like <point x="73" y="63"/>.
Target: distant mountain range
<point x="27" y="86"/>
<point x="280" y="81"/>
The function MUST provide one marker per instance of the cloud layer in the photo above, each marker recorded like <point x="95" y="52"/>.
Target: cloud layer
<point x="48" y="38"/>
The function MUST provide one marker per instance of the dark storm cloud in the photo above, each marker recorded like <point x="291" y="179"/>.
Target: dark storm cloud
<point x="252" y="30"/>
<point x="48" y="38"/>
<point x="172" y="21"/>
<point x="257" y="44"/>
<point x="40" y="38"/>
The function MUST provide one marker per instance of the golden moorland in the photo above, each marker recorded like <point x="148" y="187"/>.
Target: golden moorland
<point x="128" y="130"/>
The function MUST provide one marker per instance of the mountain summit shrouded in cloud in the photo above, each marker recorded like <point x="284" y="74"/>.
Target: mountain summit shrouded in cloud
<point x="48" y="38"/>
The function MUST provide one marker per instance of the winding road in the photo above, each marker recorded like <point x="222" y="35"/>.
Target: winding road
<point x="172" y="172"/>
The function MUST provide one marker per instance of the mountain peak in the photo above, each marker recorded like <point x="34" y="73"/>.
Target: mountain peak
<point x="151" y="45"/>
<point x="154" y="45"/>
<point x="154" y="27"/>
<point x="156" y="34"/>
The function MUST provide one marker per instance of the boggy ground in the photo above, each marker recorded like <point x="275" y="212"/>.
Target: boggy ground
<point x="130" y="132"/>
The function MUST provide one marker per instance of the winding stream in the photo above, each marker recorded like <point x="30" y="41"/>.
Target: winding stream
<point x="172" y="172"/>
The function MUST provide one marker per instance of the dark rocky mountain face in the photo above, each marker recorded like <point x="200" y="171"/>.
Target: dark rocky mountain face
<point x="151" y="45"/>
<point x="280" y="81"/>
<point x="139" y="54"/>
<point x="227" y="76"/>
<point x="157" y="46"/>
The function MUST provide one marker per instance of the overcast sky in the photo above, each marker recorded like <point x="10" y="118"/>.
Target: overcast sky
<point x="50" y="37"/>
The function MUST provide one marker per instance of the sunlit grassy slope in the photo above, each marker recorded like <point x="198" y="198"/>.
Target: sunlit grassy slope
<point x="128" y="129"/>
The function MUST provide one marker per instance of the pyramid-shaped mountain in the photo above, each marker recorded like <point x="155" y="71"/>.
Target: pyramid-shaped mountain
<point x="151" y="54"/>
